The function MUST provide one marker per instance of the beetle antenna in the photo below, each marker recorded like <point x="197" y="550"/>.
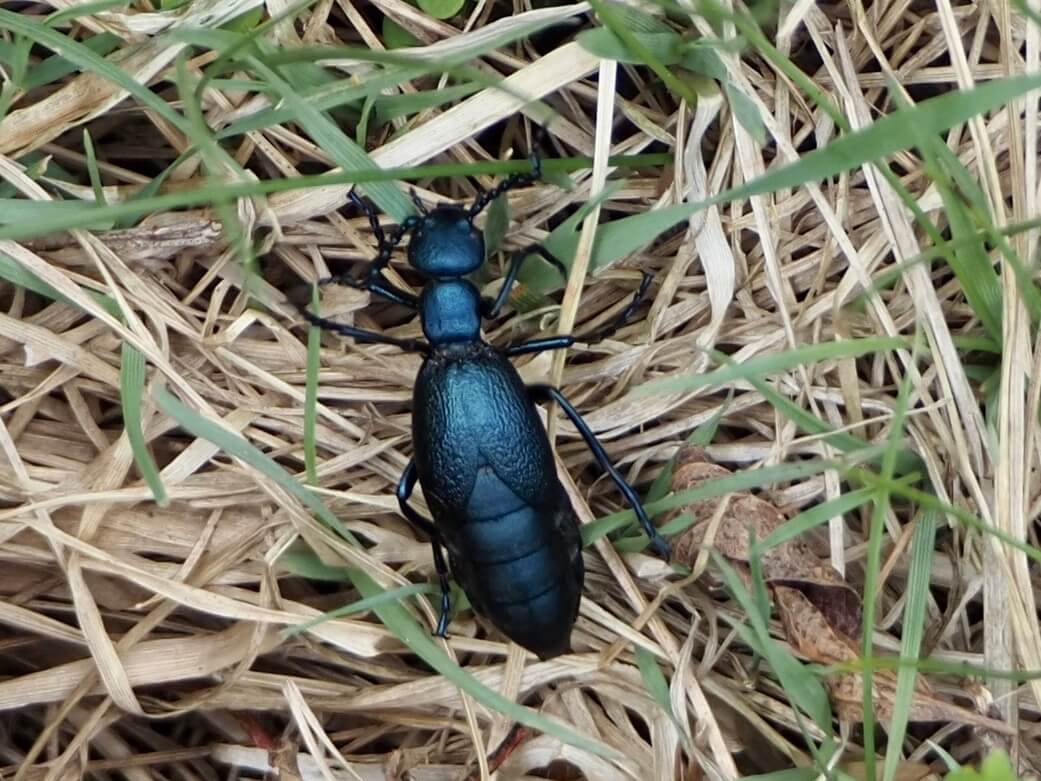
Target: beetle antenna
<point x="513" y="181"/>
<point x="385" y="244"/>
<point x="418" y="201"/>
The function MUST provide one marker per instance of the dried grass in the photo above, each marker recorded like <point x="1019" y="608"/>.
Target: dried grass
<point x="143" y="641"/>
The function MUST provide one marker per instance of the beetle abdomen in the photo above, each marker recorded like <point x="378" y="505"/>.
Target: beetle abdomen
<point x="520" y="565"/>
<point x="490" y="481"/>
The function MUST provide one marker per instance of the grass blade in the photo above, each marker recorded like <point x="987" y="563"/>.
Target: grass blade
<point x="802" y="686"/>
<point x="882" y="138"/>
<point x="914" y="620"/>
<point x="131" y="391"/>
<point x="773" y="364"/>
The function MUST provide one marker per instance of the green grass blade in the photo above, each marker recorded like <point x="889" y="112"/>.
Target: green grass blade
<point x="654" y="680"/>
<point x="80" y="10"/>
<point x="40" y="218"/>
<point x="886" y="136"/>
<point x="812" y="518"/>
<point x="806" y="693"/>
<point x="616" y="22"/>
<point x="496" y="224"/>
<point x="391" y="107"/>
<point x="703" y="435"/>
<point x="908" y="461"/>
<point x="399" y="67"/>
<point x="86" y="59"/>
<point x="20" y="211"/>
<point x="873" y="561"/>
<point x="931" y="502"/>
<point x="131" y="391"/>
<point x="603" y="42"/>
<point x="217" y="161"/>
<point x="996" y="766"/>
<point x="937" y="666"/>
<point x="773" y="364"/>
<point x="343" y="149"/>
<point x="300" y="560"/>
<point x="15" y="55"/>
<point x="746" y="112"/>
<point x="15" y="273"/>
<point x="363" y="605"/>
<point x="918" y="582"/>
<point x="328" y="98"/>
<point x="56" y="67"/>
<point x="92" y="168"/>
<point x="739" y="481"/>
<point x="968" y="258"/>
<point x="792" y="774"/>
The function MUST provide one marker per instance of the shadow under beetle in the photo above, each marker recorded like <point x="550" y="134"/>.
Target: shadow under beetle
<point x="481" y="453"/>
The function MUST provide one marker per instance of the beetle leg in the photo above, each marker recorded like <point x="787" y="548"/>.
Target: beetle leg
<point x="384" y="244"/>
<point x="549" y="393"/>
<point x="368" y="211"/>
<point x="361" y="335"/>
<point x="422" y="207"/>
<point x="539" y="345"/>
<point x="373" y="281"/>
<point x="406" y="485"/>
<point x="375" y="284"/>
<point x="381" y="287"/>
<point x="607" y="330"/>
<point x="516" y="261"/>
<point x="567" y="340"/>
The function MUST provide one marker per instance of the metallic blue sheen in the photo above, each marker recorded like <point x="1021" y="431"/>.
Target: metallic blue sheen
<point x="482" y="455"/>
<point x="446" y="243"/>
<point x="490" y="481"/>
<point x="450" y="311"/>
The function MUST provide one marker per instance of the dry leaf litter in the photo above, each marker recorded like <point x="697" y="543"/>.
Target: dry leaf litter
<point x="145" y="642"/>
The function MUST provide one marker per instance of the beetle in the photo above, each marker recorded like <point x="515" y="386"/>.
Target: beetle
<point x="481" y="453"/>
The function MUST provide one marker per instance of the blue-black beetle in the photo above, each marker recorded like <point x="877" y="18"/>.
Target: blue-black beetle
<point x="481" y="453"/>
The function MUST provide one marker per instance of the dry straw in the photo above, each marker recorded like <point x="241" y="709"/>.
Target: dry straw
<point x="145" y="640"/>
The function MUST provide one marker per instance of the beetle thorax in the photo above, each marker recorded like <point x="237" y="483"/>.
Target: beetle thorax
<point x="450" y="311"/>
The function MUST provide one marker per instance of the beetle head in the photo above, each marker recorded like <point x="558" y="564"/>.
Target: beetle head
<point x="446" y="243"/>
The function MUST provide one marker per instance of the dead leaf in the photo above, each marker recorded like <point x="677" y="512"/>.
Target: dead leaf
<point x="747" y="516"/>
<point x="820" y="612"/>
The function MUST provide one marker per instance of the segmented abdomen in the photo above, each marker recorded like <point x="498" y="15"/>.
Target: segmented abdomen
<point x="521" y="566"/>
<point x="489" y="478"/>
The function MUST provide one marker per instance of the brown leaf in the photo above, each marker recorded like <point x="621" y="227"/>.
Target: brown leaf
<point x="812" y="636"/>
<point x="821" y="613"/>
<point x="840" y="607"/>
<point x="792" y="562"/>
<point x="809" y="631"/>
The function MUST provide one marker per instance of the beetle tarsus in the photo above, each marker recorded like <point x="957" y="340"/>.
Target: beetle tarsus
<point x="516" y="262"/>
<point x="624" y="317"/>
<point x="446" y="608"/>
<point x="361" y="335"/>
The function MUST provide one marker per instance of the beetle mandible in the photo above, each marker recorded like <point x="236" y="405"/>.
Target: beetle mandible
<point x="481" y="453"/>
